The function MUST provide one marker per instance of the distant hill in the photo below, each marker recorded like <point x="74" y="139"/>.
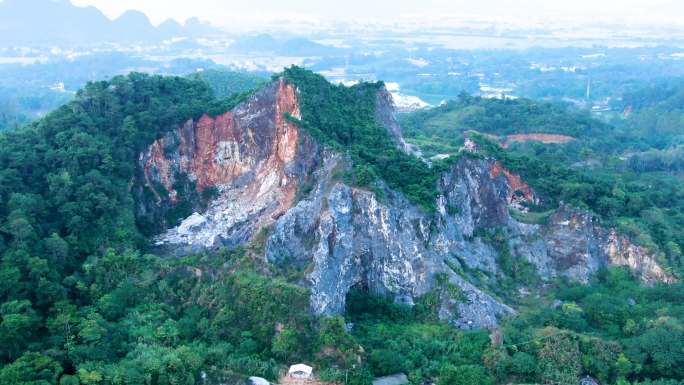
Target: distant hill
<point x="666" y="94"/>
<point x="442" y="128"/>
<point x="58" y="22"/>
<point x="655" y="115"/>
<point x="294" y="46"/>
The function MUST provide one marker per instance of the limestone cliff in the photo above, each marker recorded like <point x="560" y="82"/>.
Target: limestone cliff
<point x="573" y="243"/>
<point x="252" y="159"/>
<point x="347" y="237"/>
<point x="339" y="237"/>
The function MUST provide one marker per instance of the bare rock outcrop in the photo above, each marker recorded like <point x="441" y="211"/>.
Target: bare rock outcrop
<point x="266" y="172"/>
<point x="252" y="159"/>
<point x="573" y="243"/>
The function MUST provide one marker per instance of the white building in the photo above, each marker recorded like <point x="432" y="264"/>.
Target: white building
<point x="300" y="371"/>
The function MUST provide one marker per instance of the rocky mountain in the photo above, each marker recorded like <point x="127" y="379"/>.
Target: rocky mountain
<point x="152" y="229"/>
<point x="58" y="22"/>
<point x="254" y="174"/>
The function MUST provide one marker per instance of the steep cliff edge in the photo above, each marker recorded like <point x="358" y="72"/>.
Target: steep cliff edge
<point x="255" y="161"/>
<point x="249" y="161"/>
<point x="348" y="237"/>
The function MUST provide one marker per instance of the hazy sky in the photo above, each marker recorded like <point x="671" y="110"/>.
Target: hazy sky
<point x="238" y="12"/>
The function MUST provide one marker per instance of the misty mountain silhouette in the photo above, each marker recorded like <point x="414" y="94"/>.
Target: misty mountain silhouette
<point x="297" y="46"/>
<point x="58" y="22"/>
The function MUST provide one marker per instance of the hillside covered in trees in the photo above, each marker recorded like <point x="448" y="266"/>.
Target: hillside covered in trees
<point x="84" y="299"/>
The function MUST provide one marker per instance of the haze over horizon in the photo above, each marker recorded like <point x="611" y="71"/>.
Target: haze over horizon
<point x="522" y="14"/>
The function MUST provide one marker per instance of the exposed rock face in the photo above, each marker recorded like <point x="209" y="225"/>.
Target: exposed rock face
<point x="622" y="252"/>
<point x="519" y="191"/>
<point x="252" y="156"/>
<point x="575" y="245"/>
<point x="343" y="237"/>
<point x="349" y="238"/>
<point x="390" y="247"/>
<point x="385" y="114"/>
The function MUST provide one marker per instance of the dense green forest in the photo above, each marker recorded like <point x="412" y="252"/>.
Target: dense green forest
<point x="612" y="329"/>
<point x="441" y="129"/>
<point x="75" y="281"/>
<point x="82" y="300"/>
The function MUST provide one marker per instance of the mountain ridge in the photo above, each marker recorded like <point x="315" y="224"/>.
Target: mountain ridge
<point x="329" y="255"/>
<point x="87" y="25"/>
<point x="372" y="235"/>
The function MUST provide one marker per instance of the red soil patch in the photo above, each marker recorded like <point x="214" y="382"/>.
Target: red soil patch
<point x="536" y="137"/>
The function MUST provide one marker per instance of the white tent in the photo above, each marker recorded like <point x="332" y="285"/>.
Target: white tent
<point x="300" y="371"/>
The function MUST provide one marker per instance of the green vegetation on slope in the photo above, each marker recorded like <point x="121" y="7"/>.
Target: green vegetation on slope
<point x="64" y="180"/>
<point x="75" y="296"/>
<point x="441" y="129"/>
<point x="344" y="118"/>
<point x="141" y="319"/>
<point x="612" y="329"/>
<point x="632" y="193"/>
<point x="400" y="339"/>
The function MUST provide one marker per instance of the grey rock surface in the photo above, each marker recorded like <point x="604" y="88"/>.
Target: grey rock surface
<point x="340" y="237"/>
<point x="395" y="379"/>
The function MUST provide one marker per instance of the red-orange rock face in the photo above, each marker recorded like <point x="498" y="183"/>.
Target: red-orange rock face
<point x="214" y="151"/>
<point x="515" y="183"/>
<point x="250" y="155"/>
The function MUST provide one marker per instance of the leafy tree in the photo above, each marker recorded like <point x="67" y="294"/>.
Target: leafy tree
<point x="559" y="358"/>
<point x="523" y="365"/>
<point x="31" y="369"/>
<point x="286" y="344"/>
<point x="599" y="358"/>
<point x="18" y="323"/>
<point x="464" y="375"/>
<point x="660" y="350"/>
